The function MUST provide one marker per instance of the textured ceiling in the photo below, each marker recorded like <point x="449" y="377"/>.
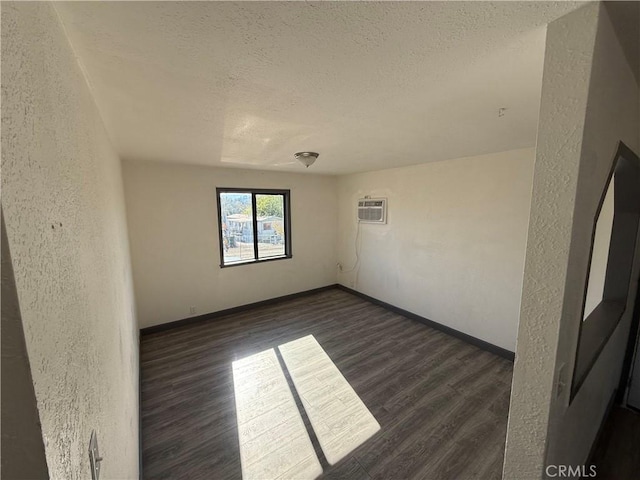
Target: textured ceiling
<point x="368" y="85"/>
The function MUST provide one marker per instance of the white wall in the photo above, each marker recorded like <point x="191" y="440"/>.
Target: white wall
<point x="453" y="246"/>
<point x="589" y="102"/>
<point x="173" y="225"/>
<point x="64" y="209"/>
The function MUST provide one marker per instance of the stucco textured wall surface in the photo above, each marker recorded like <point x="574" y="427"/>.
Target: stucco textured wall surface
<point x="589" y="103"/>
<point x="64" y="209"/>
<point x="565" y="84"/>
<point x="453" y="246"/>
<point x="173" y="222"/>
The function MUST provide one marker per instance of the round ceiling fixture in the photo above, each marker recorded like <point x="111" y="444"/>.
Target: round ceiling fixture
<point x="306" y="158"/>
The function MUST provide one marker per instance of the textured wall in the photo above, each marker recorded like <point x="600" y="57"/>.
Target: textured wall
<point x="64" y="210"/>
<point x="453" y="247"/>
<point x="172" y="215"/>
<point x="589" y="102"/>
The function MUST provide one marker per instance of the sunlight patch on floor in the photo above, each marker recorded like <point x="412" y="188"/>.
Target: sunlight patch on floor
<point x="273" y="439"/>
<point x="341" y="421"/>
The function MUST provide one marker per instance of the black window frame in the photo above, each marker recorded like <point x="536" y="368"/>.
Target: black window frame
<point x="286" y="195"/>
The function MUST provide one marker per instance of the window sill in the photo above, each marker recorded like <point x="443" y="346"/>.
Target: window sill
<point x="253" y="262"/>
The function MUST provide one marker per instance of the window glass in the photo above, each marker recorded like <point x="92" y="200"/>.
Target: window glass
<point x="254" y="225"/>
<point x="270" y="225"/>
<point x="237" y="227"/>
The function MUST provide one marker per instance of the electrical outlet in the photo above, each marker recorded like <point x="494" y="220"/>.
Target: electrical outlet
<point x="94" y="456"/>
<point x="192" y="310"/>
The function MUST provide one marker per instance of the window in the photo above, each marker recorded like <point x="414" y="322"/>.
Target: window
<point x="254" y="225"/>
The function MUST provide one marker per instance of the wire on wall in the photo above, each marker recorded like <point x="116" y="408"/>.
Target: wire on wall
<point x="356" y="265"/>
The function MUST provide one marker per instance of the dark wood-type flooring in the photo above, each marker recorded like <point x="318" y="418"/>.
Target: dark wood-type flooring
<point x="442" y="404"/>
<point x="617" y="454"/>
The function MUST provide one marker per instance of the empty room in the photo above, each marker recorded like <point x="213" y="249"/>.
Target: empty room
<point x="300" y="240"/>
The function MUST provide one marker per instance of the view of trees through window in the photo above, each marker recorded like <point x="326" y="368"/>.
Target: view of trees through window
<point x="240" y="242"/>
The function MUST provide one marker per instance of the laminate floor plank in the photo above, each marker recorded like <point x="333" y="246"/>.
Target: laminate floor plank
<point x="441" y="403"/>
<point x="617" y="455"/>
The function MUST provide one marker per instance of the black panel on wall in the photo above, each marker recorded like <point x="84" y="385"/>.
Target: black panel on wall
<point x="600" y="324"/>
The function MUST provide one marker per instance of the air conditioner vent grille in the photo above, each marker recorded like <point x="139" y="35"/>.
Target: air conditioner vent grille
<point x="372" y="210"/>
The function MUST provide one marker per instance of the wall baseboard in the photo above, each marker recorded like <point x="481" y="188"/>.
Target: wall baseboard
<point x="509" y="355"/>
<point x="220" y="313"/>
<point x="490" y="347"/>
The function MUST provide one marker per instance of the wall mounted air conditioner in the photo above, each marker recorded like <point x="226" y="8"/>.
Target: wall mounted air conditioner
<point x="372" y="210"/>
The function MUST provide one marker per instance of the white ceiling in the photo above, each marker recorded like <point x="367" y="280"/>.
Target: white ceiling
<point x="368" y="85"/>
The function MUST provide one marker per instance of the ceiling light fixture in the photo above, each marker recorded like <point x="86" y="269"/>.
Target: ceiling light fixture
<point x="306" y="158"/>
